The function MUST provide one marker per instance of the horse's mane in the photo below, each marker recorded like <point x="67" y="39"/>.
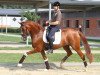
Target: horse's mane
<point x="35" y="24"/>
<point x="39" y="26"/>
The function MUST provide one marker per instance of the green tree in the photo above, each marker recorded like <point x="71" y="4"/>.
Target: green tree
<point x="31" y="16"/>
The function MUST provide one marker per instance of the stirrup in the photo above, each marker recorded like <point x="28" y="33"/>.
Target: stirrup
<point x="49" y="51"/>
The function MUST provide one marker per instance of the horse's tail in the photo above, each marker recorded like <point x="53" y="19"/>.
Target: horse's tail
<point x="87" y="47"/>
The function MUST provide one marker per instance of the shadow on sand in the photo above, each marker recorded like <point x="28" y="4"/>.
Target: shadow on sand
<point x="28" y="66"/>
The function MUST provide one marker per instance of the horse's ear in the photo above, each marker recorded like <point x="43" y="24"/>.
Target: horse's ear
<point x="20" y="23"/>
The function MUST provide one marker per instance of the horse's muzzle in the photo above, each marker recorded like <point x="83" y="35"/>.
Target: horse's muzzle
<point x="24" y="38"/>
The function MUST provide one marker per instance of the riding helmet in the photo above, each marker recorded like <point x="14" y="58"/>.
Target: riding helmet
<point x="56" y="3"/>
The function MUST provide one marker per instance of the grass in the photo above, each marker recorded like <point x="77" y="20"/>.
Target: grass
<point x="37" y="58"/>
<point x="12" y="33"/>
<point x="92" y="48"/>
<point x="98" y="48"/>
<point x="95" y="41"/>
<point x="29" y="48"/>
<point x="19" y="40"/>
<point x="10" y="39"/>
<point x="16" y="48"/>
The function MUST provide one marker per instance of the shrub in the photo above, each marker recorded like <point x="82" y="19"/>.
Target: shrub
<point x="11" y="30"/>
<point x="30" y="16"/>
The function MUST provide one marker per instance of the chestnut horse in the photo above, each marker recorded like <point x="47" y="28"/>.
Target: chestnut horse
<point x="69" y="37"/>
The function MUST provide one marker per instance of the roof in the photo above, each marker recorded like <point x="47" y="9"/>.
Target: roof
<point x="44" y="3"/>
<point x="78" y="5"/>
<point x="10" y="11"/>
<point x="69" y="5"/>
<point x="78" y="2"/>
<point x="34" y="3"/>
<point x="17" y="12"/>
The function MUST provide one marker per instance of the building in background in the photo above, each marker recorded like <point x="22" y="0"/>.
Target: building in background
<point x="75" y="13"/>
<point x="10" y="17"/>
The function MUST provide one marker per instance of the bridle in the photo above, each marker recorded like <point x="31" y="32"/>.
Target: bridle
<point x="24" y="33"/>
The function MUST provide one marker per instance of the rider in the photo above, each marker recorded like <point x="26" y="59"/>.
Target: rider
<point x="54" y="25"/>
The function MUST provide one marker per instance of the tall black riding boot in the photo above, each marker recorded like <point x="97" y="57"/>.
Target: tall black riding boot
<point x="50" y="50"/>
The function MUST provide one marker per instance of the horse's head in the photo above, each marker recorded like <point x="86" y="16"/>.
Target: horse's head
<point x="29" y="27"/>
<point x="24" y="30"/>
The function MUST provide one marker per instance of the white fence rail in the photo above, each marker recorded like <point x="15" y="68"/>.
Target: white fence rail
<point x="12" y="35"/>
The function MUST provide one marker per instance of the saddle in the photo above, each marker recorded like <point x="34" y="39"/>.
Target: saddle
<point x="57" y="36"/>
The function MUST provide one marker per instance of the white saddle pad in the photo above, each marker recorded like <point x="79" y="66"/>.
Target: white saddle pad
<point x="57" y="37"/>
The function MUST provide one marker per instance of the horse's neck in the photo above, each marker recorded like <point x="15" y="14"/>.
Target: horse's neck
<point x="37" y="34"/>
<point x="35" y="38"/>
<point x="36" y="31"/>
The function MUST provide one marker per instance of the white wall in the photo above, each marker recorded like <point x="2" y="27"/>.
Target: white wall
<point x="9" y="21"/>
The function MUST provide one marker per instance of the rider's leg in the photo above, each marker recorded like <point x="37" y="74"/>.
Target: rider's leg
<point x="50" y="37"/>
<point x="50" y="40"/>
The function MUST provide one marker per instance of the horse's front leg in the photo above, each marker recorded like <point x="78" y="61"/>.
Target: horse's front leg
<point x="45" y="59"/>
<point x="25" y="55"/>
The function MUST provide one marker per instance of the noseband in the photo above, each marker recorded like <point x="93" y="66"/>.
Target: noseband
<point x="25" y="34"/>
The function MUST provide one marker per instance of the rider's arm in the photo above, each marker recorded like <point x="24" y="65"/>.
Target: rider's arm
<point x="58" y="20"/>
<point x="54" y="23"/>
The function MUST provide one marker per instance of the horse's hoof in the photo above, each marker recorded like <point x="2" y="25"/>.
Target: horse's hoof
<point x="19" y="65"/>
<point x="46" y="69"/>
<point x="85" y="69"/>
<point x="62" y="67"/>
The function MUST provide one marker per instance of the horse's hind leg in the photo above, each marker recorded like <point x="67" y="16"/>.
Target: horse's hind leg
<point x="69" y="53"/>
<point x="76" y="47"/>
<point x="82" y="57"/>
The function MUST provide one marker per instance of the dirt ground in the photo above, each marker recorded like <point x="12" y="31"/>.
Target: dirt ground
<point x="39" y="69"/>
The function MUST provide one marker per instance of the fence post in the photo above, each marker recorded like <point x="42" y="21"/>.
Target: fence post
<point x="1" y="24"/>
<point x="84" y="21"/>
<point x="49" y="10"/>
<point x="6" y="24"/>
<point x="27" y="41"/>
